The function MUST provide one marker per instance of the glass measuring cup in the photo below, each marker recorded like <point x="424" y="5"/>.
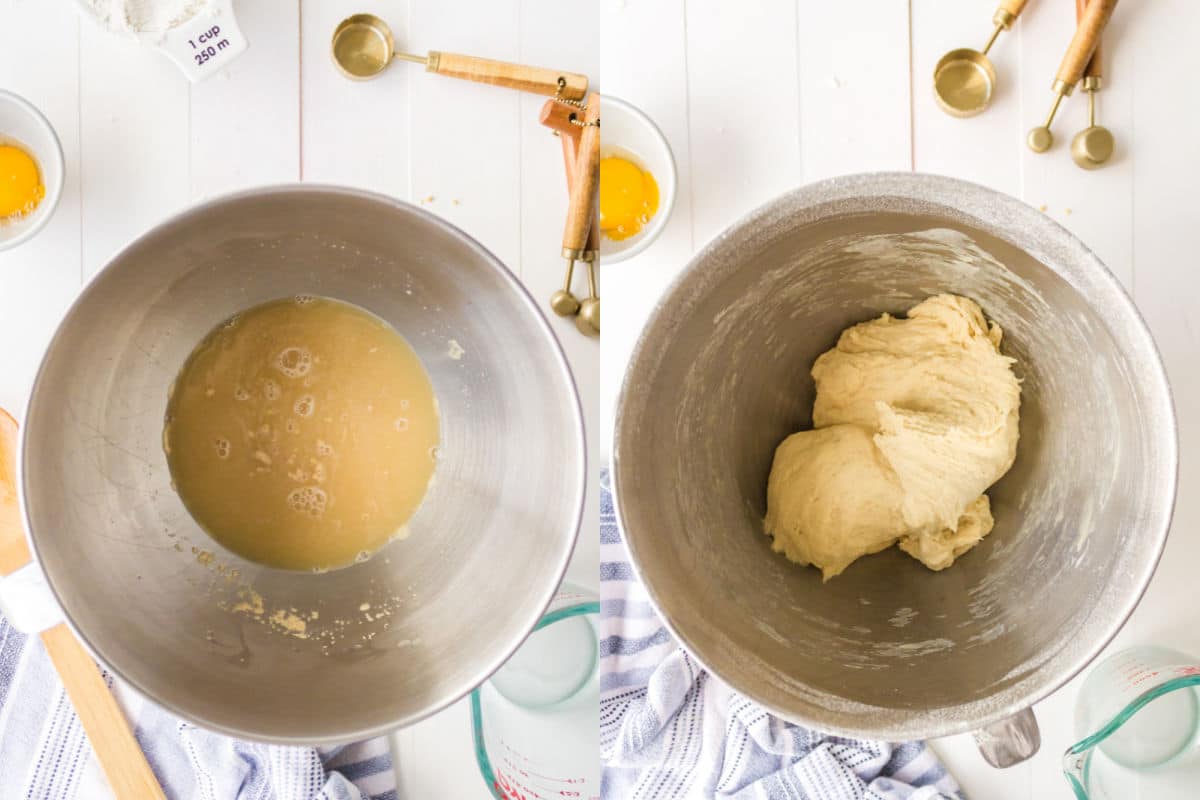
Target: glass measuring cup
<point x="534" y="722"/>
<point x="1139" y="714"/>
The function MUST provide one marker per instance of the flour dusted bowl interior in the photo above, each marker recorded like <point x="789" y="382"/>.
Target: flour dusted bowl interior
<point x="275" y="654"/>
<point x="889" y="648"/>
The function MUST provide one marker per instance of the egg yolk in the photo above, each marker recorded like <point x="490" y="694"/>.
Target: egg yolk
<point x="628" y="197"/>
<point x="20" y="184"/>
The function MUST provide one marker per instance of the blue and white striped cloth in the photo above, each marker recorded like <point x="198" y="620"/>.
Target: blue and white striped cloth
<point x="671" y="731"/>
<point x="44" y="754"/>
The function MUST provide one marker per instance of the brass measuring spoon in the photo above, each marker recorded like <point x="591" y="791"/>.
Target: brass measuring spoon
<point x="964" y="79"/>
<point x="363" y="46"/>
<point x="1079" y="52"/>
<point x="581" y="212"/>
<point x="557" y="117"/>
<point x="1093" y="145"/>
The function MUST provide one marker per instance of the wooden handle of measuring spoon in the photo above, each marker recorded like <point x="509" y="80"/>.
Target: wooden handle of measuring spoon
<point x="1012" y="7"/>
<point x="581" y="209"/>
<point x="117" y="751"/>
<point x="1085" y="41"/>
<point x="538" y="80"/>
<point x="1095" y="67"/>
<point x="557" y="117"/>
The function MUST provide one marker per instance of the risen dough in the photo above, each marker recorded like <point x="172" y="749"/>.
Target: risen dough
<point x="914" y="419"/>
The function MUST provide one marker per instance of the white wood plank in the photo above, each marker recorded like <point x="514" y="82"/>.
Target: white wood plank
<point x="741" y="69"/>
<point x="644" y="60"/>
<point x="245" y="121"/>
<point x="979" y="780"/>
<point x="135" y="144"/>
<point x="1167" y="286"/>
<point x="985" y="148"/>
<point x="354" y="133"/>
<point x="437" y="758"/>
<point x="1096" y="205"/>
<point x="855" y="112"/>
<point x="543" y="208"/>
<point x="465" y="136"/>
<point x="39" y="279"/>
<point x="1167" y="290"/>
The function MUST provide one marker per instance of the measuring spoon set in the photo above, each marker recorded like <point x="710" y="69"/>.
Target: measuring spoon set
<point x="363" y="47"/>
<point x="964" y="80"/>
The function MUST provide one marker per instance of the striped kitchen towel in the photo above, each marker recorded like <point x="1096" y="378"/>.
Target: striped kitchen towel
<point x="44" y="754"/>
<point x="671" y="731"/>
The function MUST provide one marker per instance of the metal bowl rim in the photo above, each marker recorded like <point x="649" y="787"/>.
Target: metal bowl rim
<point x="934" y="189"/>
<point x="522" y="295"/>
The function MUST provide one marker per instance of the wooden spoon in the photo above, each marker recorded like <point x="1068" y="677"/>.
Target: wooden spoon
<point x="117" y="750"/>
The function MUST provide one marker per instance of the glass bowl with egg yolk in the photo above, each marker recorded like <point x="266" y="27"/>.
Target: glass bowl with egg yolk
<point x="21" y="186"/>
<point x="628" y="197"/>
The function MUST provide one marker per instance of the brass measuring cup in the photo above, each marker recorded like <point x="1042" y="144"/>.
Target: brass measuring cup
<point x="1079" y="52"/>
<point x="1093" y="145"/>
<point x="964" y="80"/>
<point x="363" y="47"/>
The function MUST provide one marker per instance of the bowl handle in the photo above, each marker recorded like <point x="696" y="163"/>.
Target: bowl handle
<point x="1011" y="740"/>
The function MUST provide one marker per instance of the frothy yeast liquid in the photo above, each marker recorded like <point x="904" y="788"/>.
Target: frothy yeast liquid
<point x="302" y="433"/>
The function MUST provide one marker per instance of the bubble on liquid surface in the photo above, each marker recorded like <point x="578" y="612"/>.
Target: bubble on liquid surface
<point x="324" y="448"/>
<point x="270" y="390"/>
<point x="305" y="405"/>
<point x="305" y="299"/>
<point x="232" y="322"/>
<point x="310" y="500"/>
<point x="241" y="394"/>
<point x="291" y="426"/>
<point x="318" y="472"/>
<point x="362" y="556"/>
<point x="401" y="424"/>
<point x="294" y="362"/>
<point x="224" y="448"/>
<point x="435" y="453"/>
<point x="404" y="404"/>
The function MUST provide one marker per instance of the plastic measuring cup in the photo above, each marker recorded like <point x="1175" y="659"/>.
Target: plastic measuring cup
<point x="1139" y="715"/>
<point x="201" y="45"/>
<point x="535" y="721"/>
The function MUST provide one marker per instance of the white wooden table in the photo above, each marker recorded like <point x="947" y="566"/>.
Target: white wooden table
<point x="141" y="143"/>
<point x="759" y="96"/>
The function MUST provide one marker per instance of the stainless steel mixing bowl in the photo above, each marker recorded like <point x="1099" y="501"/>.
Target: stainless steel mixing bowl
<point x="890" y="649"/>
<point x="487" y="547"/>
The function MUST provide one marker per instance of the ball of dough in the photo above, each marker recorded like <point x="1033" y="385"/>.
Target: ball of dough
<point x="914" y="418"/>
